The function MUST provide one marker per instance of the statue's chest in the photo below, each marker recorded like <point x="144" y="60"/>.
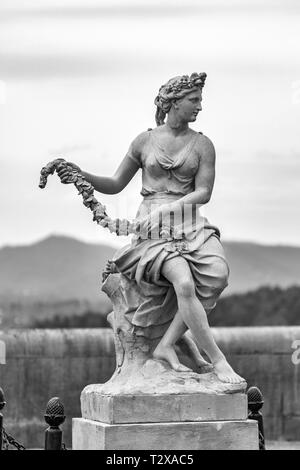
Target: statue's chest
<point x="158" y="167"/>
<point x="172" y="147"/>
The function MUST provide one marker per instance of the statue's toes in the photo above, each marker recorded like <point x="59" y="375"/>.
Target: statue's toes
<point x="182" y="368"/>
<point x="206" y="368"/>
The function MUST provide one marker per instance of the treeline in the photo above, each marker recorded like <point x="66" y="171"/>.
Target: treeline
<point x="87" y="320"/>
<point x="268" y="306"/>
<point x="52" y="313"/>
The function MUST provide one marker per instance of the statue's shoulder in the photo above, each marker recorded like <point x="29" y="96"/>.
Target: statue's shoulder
<point x="141" y="140"/>
<point x="205" y="148"/>
<point x="203" y="141"/>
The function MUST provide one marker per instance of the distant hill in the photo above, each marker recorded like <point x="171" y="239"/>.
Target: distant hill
<point x="59" y="268"/>
<point x="56" y="268"/>
<point x="253" y="265"/>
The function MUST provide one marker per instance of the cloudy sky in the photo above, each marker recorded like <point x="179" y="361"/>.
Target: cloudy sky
<point x="79" y="81"/>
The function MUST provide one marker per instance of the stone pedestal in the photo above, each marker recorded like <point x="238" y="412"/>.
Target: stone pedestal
<point x="201" y="435"/>
<point x="121" y="409"/>
<point x="185" y="411"/>
<point x="148" y="405"/>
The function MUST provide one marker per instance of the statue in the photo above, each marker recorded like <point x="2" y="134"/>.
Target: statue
<point x="165" y="282"/>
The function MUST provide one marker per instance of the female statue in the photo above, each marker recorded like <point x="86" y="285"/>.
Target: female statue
<point x="186" y="259"/>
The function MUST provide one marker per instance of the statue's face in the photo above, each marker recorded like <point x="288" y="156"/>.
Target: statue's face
<point x="189" y="106"/>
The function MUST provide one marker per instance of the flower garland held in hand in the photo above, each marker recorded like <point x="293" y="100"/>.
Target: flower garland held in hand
<point x="118" y="226"/>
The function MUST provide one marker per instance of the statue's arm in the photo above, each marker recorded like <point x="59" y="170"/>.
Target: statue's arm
<point x="124" y="173"/>
<point x="205" y="176"/>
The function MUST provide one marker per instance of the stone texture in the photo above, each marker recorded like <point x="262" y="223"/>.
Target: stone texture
<point x="218" y="435"/>
<point x="156" y="377"/>
<point x="136" y="371"/>
<point x="162" y="408"/>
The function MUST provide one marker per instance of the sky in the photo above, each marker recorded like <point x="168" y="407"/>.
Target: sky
<point x="78" y="80"/>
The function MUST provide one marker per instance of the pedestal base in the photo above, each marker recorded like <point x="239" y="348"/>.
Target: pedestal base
<point x="216" y="435"/>
<point x="121" y="409"/>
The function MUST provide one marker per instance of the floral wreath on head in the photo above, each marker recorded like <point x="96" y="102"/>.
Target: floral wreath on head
<point x="178" y="87"/>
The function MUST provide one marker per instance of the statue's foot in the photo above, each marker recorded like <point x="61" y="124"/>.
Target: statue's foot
<point x="205" y="369"/>
<point x="167" y="353"/>
<point x="189" y="347"/>
<point x="201" y="362"/>
<point x="225" y="373"/>
<point x="202" y="365"/>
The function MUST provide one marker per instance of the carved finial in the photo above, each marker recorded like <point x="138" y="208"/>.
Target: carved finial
<point x="55" y="413"/>
<point x="255" y="399"/>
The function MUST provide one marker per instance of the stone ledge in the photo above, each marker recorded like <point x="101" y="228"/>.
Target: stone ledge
<point x="218" y="435"/>
<point x="118" y="409"/>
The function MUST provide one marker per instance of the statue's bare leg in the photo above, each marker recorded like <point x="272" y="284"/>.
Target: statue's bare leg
<point x="165" y="349"/>
<point x="186" y="341"/>
<point x="189" y="347"/>
<point x="192" y="313"/>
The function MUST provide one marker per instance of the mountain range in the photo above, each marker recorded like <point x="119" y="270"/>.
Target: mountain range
<point x="60" y="268"/>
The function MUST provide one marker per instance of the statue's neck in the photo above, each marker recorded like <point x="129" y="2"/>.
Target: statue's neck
<point x="176" y="126"/>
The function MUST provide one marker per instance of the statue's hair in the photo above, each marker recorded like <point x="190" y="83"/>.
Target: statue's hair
<point x="176" y="88"/>
<point x="160" y="116"/>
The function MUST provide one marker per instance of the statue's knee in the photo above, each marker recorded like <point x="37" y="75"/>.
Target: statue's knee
<point x="185" y="287"/>
<point x="221" y="271"/>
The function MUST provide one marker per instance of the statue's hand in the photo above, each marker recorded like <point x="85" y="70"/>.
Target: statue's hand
<point x="146" y="224"/>
<point x="152" y="221"/>
<point x="66" y="172"/>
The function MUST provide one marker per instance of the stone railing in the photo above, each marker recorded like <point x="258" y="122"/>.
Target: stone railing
<point x="45" y="363"/>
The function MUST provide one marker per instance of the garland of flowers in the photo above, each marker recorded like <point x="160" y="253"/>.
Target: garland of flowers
<point x="185" y="82"/>
<point x="118" y="226"/>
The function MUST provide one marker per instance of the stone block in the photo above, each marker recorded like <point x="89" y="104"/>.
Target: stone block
<point x="118" y="409"/>
<point x="217" y="435"/>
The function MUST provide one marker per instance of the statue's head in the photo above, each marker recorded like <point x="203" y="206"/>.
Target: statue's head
<point x="182" y="94"/>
